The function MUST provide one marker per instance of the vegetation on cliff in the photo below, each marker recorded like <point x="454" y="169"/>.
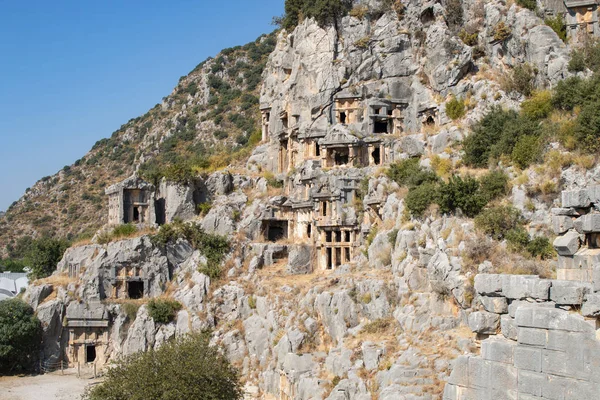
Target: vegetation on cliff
<point x="20" y="337"/>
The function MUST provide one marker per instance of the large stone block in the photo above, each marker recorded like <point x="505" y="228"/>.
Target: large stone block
<point x="528" y="358"/>
<point x="590" y="223"/>
<point x="596" y="278"/>
<point x="460" y="371"/>
<point x="569" y="292"/>
<point x="497" y="305"/>
<point x="551" y="318"/>
<point x="484" y="322"/>
<point x="498" y="350"/>
<point x="531" y="382"/>
<point x="504" y="377"/>
<point x="508" y="326"/>
<point x="593" y="193"/>
<point x="568" y="244"/>
<point x="571" y="212"/>
<point x="299" y="260"/>
<point x="561" y="224"/>
<point x="525" y="286"/>
<point x="576" y="198"/>
<point x="532" y="336"/>
<point x="479" y="372"/>
<point x="488" y="284"/>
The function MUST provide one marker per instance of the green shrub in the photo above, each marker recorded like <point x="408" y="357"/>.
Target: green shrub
<point x="461" y="193"/>
<point x="420" y="198"/>
<point x="521" y="80"/>
<point x="529" y="4"/>
<point x="455" y="108"/>
<point x="577" y="62"/>
<point x="470" y="39"/>
<point x="20" y="337"/>
<point x="272" y="181"/>
<point x="496" y="135"/>
<point x="501" y="31"/>
<point x="454" y="14"/>
<point x="539" y="106"/>
<point x="409" y="173"/>
<point x="498" y="221"/>
<point x="517" y="239"/>
<point x="163" y="311"/>
<point x="557" y="24"/>
<point x="43" y="256"/>
<point x="183" y="368"/>
<point x="541" y="247"/>
<point x="392" y="235"/>
<point x="587" y="128"/>
<point x="494" y="184"/>
<point x="526" y="151"/>
<point x="326" y="12"/>
<point x="203" y="208"/>
<point x="213" y="247"/>
<point x="118" y="233"/>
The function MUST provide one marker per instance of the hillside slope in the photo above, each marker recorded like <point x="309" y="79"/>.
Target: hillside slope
<point x="213" y="110"/>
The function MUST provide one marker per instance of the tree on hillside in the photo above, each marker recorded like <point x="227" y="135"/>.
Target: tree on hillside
<point x="44" y="254"/>
<point x="20" y="336"/>
<point x="326" y="12"/>
<point x="185" y="368"/>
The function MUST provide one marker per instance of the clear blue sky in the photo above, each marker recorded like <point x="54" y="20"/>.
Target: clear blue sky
<point x="74" y="71"/>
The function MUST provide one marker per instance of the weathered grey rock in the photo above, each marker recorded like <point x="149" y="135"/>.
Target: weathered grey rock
<point x="339" y="361"/>
<point x="380" y="251"/>
<point x="371" y="355"/>
<point x="219" y="183"/>
<point x="142" y="333"/>
<point x="179" y="200"/>
<point x="508" y="326"/>
<point x="299" y="260"/>
<point x="498" y="350"/>
<point x="34" y="295"/>
<point x="497" y="305"/>
<point x="575" y="198"/>
<point x="591" y="305"/>
<point x="484" y="322"/>
<point x="488" y="284"/>
<point x="525" y="286"/>
<point x="590" y="223"/>
<point x="53" y="340"/>
<point x="561" y="223"/>
<point x="569" y="292"/>
<point x="568" y="244"/>
<point x="257" y="337"/>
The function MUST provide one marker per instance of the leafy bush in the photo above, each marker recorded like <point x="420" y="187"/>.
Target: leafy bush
<point x="541" y="247"/>
<point x="454" y="14"/>
<point x="521" y="80"/>
<point x="455" y="108"/>
<point x="326" y="12"/>
<point x="586" y="57"/>
<point x="183" y="368"/>
<point x="203" y="208"/>
<point x="529" y="4"/>
<point x="557" y="24"/>
<point x="420" y="198"/>
<point x="468" y="38"/>
<point x="20" y="337"/>
<point x="409" y="173"/>
<point x="527" y="150"/>
<point x="539" y="106"/>
<point x="461" y="193"/>
<point x="577" y="62"/>
<point x="496" y="135"/>
<point x="498" y="221"/>
<point x="163" y="311"/>
<point x="494" y="184"/>
<point x="272" y="181"/>
<point x="213" y="247"/>
<point x="501" y="31"/>
<point x="44" y="254"/>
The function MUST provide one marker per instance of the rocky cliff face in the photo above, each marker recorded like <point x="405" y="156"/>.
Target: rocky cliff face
<point x="331" y="290"/>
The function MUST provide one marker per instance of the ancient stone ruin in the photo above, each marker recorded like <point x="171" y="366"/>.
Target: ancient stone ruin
<point x="539" y="335"/>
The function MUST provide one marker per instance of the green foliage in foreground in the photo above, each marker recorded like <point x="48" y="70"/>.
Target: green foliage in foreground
<point x="185" y="368"/>
<point x="20" y="337"/>
<point x="163" y="311"/>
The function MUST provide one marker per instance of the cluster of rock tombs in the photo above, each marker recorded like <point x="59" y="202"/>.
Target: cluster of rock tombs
<point x="314" y="200"/>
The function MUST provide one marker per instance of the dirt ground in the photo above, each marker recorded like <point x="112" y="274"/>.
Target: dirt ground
<point x="44" y="387"/>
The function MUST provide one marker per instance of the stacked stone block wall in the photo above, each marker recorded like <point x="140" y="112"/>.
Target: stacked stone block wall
<point x="540" y="341"/>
